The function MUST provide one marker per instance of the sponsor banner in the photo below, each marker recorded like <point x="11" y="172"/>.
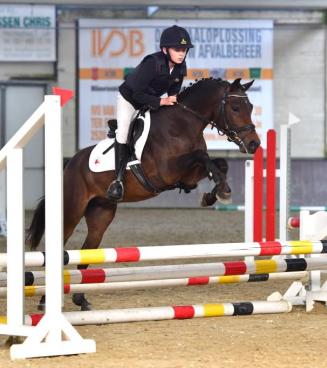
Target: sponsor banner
<point x="229" y="49"/>
<point x="27" y="33"/>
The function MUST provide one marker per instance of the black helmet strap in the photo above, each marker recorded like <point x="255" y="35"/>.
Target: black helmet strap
<point x="169" y="57"/>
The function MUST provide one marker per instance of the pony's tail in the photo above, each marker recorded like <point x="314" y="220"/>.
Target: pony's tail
<point x="36" y="230"/>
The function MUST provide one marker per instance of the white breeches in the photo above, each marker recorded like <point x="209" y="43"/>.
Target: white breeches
<point x="125" y="113"/>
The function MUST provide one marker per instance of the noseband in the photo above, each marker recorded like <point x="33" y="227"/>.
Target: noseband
<point x="229" y="130"/>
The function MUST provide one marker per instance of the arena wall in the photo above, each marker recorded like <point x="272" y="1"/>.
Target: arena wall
<point x="299" y="79"/>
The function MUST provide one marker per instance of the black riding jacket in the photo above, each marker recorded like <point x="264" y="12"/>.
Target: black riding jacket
<point x="151" y="79"/>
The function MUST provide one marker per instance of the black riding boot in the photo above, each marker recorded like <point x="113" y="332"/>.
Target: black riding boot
<point x="116" y="189"/>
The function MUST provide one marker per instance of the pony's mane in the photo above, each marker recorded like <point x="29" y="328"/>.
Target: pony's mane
<point x="209" y="83"/>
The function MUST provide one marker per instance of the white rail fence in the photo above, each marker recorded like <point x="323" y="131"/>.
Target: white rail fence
<point x="54" y="335"/>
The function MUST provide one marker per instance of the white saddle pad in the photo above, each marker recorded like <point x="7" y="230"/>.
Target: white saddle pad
<point x="99" y="161"/>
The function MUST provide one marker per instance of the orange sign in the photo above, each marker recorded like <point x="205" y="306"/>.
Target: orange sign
<point x="113" y="43"/>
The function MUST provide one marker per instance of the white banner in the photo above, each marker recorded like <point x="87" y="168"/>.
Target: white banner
<point x="229" y="49"/>
<point x="27" y="33"/>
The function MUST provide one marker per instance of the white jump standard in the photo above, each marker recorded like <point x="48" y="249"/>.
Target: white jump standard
<point x="54" y="335"/>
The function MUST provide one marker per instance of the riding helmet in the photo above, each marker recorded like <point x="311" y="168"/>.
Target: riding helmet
<point x="175" y="36"/>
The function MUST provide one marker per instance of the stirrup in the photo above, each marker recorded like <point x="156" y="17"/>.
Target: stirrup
<point x="116" y="190"/>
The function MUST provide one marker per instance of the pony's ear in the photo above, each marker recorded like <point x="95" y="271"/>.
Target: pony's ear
<point x="235" y="85"/>
<point x="246" y="86"/>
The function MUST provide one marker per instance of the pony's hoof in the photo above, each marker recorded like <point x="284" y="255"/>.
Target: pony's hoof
<point x="41" y="307"/>
<point x="208" y="200"/>
<point x="225" y="199"/>
<point x="12" y="340"/>
<point x="80" y="300"/>
<point x="86" y="307"/>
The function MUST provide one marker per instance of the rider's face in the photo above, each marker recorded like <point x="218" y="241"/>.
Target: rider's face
<point x="177" y="54"/>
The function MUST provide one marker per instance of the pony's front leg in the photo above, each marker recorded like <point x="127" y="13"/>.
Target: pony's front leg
<point x="223" y="192"/>
<point x="217" y="171"/>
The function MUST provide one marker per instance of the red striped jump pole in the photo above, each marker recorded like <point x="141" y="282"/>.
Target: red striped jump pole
<point x="166" y="313"/>
<point x="257" y="195"/>
<point x="271" y="185"/>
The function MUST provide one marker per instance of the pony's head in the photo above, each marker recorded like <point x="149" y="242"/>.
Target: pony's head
<point x="226" y="107"/>
<point x="233" y="117"/>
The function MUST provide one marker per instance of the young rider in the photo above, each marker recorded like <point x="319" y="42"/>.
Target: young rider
<point x="157" y="74"/>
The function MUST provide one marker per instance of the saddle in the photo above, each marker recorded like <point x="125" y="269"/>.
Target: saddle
<point x="135" y="130"/>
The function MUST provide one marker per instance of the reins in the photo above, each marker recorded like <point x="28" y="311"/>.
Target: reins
<point x="231" y="132"/>
<point x="196" y="114"/>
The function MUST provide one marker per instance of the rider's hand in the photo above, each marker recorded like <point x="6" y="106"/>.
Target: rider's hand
<point x="170" y="100"/>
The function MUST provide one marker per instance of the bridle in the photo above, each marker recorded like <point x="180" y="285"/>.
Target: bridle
<point x="229" y="130"/>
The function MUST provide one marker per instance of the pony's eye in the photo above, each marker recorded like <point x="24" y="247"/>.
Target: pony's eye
<point x="235" y="108"/>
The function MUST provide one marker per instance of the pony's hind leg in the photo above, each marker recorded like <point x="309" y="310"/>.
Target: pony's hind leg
<point x="75" y="204"/>
<point x="98" y="215"/>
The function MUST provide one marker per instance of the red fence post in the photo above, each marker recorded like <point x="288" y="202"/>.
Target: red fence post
<point x="271" y="185"/>
<point x="257" y="195"/>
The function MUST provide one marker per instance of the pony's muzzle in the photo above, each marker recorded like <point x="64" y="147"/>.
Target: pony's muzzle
<point x="252" y="146"/>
